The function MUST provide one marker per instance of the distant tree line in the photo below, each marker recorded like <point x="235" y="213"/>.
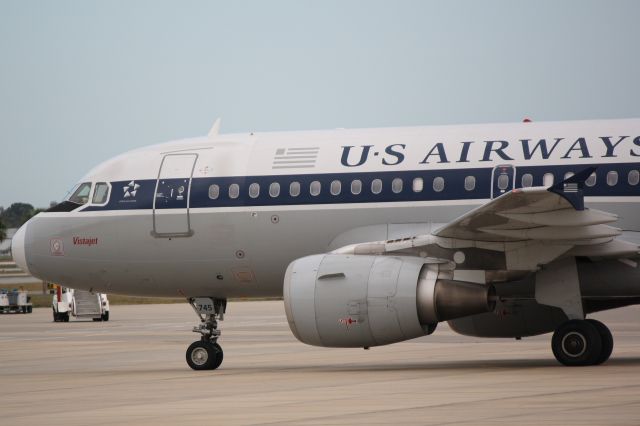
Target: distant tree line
<point x="14" y="216"/>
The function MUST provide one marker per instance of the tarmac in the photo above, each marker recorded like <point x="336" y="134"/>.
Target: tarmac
<point x="132" y="370"/>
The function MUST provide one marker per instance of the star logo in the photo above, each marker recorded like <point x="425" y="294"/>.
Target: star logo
<point x="131" y="189"/>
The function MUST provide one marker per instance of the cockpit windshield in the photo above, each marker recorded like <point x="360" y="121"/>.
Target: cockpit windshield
<point x="81" y="194"/>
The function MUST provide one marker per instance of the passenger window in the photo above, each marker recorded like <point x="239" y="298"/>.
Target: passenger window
<point x="314" y="188"/>
<point x="418" y="184"/>
<point x="591" y="180"/>
<point x="81" y="194"/>
<point x="396" y="185"/>
<point x="356" y="187"/>
<point x="503" y="182"/>
<point x="438" y="184"/>
<point x="336" y="187"/>
<point x="254" y="190"/>
<point x="634" y="177"/>
<point x="568" y="175"/>
<point x="547" y="179"/>
<point x="234" y="190"/>
<point x="294" y="189"/>
<point x="101" y="193"/>
<point x="527" y="180"/>
<point x="470" y="183"/>
<point x="274" y="189"/>
<point x="612" y="178"/>
<point x="214" y="192"/>
<point x="376" y="186"/>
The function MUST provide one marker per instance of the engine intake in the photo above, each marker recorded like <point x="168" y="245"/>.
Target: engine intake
<point x="359" y="301"/>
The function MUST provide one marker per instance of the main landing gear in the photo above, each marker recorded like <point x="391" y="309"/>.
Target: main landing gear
<point x="206" y="353"/>
<point x="582" y="342"/>
<point x="578" y="341"/>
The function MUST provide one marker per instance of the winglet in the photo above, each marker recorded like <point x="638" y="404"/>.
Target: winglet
<point x="215" y="129"/>
<point x="572" y="188"/>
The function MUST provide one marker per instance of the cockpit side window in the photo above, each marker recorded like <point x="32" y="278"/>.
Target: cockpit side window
<point x="100" y="193"/>
<point x="81" y="195"/>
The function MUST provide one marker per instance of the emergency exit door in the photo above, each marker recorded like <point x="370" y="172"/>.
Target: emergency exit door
<point x="171" y="198"/>
<point x="502" y="179"/>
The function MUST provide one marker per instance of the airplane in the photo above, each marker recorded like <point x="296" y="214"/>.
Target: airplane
<point x="371" y="236"/>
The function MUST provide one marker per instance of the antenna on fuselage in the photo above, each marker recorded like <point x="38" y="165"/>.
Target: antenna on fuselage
<point x="215" y="129"/>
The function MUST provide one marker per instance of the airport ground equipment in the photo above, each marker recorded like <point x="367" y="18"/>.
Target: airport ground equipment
<point x="80" y="304"/>
<point x="15" y="301"/>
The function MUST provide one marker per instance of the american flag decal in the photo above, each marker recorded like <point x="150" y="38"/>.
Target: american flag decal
<point x="295" y="158"/>
<point x="570" y="187"/>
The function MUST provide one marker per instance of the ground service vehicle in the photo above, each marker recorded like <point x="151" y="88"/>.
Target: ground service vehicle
<point x="80" y="304"/>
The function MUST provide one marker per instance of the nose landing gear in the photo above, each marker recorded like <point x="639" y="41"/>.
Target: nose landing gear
<point x="206" y="353"/>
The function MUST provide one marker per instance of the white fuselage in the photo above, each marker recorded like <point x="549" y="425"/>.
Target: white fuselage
<point x="224" y="215"/>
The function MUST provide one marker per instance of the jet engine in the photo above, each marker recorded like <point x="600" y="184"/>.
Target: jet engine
<point x="341" y="300"/>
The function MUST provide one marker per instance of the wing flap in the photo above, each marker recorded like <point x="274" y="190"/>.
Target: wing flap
<point x="564" y="217"/>
<point x="557" y="233"/>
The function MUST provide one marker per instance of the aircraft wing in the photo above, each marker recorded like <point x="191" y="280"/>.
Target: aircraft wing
<point x="546" y="214"/>
<point x="520" y="230"/>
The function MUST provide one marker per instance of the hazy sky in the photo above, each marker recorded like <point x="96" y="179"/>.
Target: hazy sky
<point x="81" y="81"/>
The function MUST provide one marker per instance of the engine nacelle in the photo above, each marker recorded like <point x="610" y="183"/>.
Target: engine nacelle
<point x="360" y="301"/>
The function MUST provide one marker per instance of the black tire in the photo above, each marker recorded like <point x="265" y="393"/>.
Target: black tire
<point x="607" y="341"/>
<point x="577" y="343"/>
<point x="219" y="356"/>
<point x="65" y="317"/>
<point x="97" y="319"/>
<point x="202" y="355"/>
<point x="105" y="316"/>
<point x="29" y="309"/>
<point x="55" y="317"/>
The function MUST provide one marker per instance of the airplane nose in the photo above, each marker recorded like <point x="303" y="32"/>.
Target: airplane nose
<point x="17" y="248"/>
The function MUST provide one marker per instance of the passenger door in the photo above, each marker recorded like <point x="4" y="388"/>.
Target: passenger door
<point x="172" y="194"/>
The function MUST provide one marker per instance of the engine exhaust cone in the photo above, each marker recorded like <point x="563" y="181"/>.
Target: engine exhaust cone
<point x="455" y="299"/>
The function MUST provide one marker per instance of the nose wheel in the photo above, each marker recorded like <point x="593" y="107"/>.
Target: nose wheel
<point x="206" y="353"/>
<point x="203" y="355"/>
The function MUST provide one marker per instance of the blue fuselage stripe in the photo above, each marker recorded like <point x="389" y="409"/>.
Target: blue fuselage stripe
<point x="454" y="187"/>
